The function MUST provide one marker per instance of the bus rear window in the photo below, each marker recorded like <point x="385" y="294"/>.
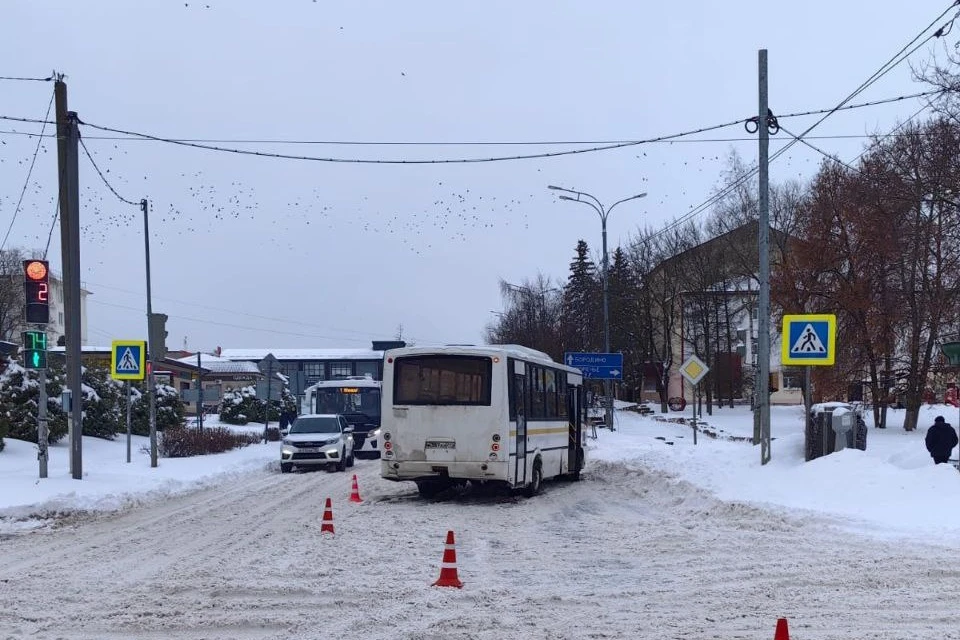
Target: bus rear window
<point x="442" y="380"/>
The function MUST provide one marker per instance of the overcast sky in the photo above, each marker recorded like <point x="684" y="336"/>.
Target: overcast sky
<point x="259" y="252"/>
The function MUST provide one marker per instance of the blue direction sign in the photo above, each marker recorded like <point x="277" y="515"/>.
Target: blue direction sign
<point x="127" y="359"/>
<point x="605" y="366"/>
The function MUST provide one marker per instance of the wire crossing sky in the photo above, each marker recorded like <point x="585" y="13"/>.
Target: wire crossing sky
<point x="339" y="176"/>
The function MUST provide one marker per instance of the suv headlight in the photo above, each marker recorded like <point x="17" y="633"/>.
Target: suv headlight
<point x="286" y="442"/>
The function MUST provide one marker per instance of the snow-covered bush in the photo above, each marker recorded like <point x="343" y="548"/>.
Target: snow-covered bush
<point x="238" y="404"/>
<point x="19" y="399"/>
<point x="104" y="403"/>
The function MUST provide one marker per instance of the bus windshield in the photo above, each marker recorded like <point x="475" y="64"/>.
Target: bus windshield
<point x="442" y="380"/>
<point x="349" y="401"/>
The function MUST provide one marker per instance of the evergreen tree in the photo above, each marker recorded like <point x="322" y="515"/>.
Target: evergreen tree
<point x="626" y="321"/>
<point x="582" y="310"/>
<point x="104" y="404"/>
<point x="288" y="401"/>
<point x="169" y="407"/>
<point x="19" y="399"/>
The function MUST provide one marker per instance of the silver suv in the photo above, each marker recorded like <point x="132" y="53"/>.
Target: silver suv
<point x="317" y="439"/>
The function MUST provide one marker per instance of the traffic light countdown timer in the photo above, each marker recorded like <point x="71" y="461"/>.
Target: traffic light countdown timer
<point x="36" y="289"/>
<point x="34" y="349"/>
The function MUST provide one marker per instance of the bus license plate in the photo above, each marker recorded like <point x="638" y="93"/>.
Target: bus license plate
<point x="431" y="444"/>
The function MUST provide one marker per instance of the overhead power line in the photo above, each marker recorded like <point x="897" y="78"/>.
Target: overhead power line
<point x="26" y="182"/>
<point x="597" y="145"/>
<point x="24" y="79"/>
<point x="894" y="61"/>
<point x="308" y="325"/>
<point x="104" y="178"/>
<point x="529" y="156"/>
<point x="234" y="326"/>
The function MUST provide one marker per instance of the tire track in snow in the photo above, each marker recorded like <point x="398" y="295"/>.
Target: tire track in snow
<point x="627" y="552"/>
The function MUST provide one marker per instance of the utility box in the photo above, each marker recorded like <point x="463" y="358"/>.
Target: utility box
<point x="832" y="426"/>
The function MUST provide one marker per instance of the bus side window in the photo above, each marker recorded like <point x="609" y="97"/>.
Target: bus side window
<point x="550" y="392"/>
<point x="561" y="394"/>
<point x="537" y="408"/>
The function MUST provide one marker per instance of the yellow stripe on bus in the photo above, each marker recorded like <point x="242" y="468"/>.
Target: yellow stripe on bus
<point x="542" y="432"/>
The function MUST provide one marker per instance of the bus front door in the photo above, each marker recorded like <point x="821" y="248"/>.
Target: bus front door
<point x="520" y="460"/>
<point x="574" y="445"/>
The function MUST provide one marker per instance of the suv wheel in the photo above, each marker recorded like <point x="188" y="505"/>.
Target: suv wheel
<point x="286" y="467"/>
<point x="342" y="462"/>
<point x="351" y="459"/>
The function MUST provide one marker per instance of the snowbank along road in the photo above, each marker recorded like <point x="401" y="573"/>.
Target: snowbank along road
<point x="625" y="553"/>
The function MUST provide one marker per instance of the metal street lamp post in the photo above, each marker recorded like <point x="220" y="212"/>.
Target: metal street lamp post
<point x="587" y="199"/>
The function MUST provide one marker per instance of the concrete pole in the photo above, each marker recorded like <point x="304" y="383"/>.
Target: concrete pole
<point x="151" y="351"/>
<point x="68" y="137"/>
<point x="763" y="337"/>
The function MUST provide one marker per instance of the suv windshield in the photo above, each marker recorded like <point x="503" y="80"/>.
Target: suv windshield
<point x="316" y="424"/>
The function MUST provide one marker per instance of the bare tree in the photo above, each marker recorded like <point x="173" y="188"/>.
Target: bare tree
<point x="531" y="316"/>
<point x="11" y="293"/>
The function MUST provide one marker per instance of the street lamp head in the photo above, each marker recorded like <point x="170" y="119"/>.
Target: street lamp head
<point x="554" y="187"/>
<point x="568" y="198"/>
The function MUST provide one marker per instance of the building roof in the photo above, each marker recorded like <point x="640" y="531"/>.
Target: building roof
<point x="215" y="364"/>
<point x="83" y="349"/>
<point x="301" y="354"/>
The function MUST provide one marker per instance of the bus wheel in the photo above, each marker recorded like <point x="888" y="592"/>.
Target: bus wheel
<point x="533" y="488"/>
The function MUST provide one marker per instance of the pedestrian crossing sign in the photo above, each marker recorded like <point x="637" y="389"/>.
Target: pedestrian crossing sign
<point x="127" y="359"/>
<point x="809" y="339"/>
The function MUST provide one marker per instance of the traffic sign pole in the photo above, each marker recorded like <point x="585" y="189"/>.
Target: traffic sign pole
<point x="693" y="370"/>
<point x="693" y="405"/>
<point x="128" y="420"/>
<point x="42" y="434"/>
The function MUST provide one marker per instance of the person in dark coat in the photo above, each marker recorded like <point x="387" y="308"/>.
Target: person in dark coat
<point x="941" y="439"/>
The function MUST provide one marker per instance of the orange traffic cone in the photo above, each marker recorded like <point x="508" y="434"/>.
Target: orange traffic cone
<point x="781" y="632"/>
<point x="448" y="568"/>
<point x="355" y="492"/>
<point x="327" y="526"/>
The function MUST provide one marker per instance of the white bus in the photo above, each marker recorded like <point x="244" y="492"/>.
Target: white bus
<point x="493" y="414"/>
<point x="356" y="398"/>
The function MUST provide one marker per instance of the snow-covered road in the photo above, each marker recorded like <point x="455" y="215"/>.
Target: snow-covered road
<point x="626" y="553"/>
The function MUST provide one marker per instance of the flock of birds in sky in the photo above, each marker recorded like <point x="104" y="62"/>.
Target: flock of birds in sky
<point x="194" y="203"/>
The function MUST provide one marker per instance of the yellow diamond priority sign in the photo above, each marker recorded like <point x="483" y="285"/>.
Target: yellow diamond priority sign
<point x="693" y="369"/>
